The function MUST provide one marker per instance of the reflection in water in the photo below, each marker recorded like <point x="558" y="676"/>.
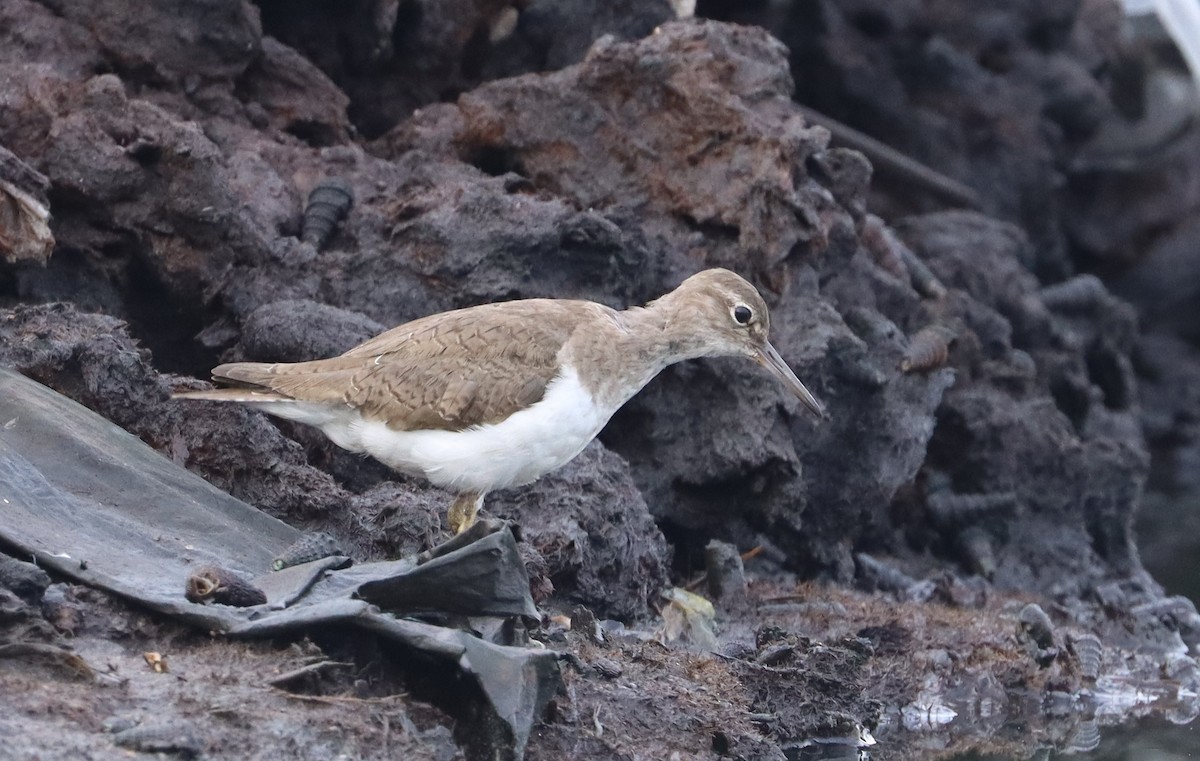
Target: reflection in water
<point x="1094" y="724"/>
<point x="1147" y="740"/>
<point x="1035" y="685"/>
<point x="1084" y="739"/>
<point x="1119" y="716"/>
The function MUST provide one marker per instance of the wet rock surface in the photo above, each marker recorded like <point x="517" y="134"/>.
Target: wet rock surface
<point x="994" y="417"/>
<point x="997" y="99"/>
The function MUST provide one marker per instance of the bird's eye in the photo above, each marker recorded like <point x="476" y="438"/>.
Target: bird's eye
<point x="742" y="314"/>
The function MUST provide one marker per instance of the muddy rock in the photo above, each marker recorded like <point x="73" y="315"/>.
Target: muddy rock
<point x="180" y="44"/>
<point x="593" y="528"/>
<point x="127" y="178"/>
<point x="291" y="331"/>
<point x="1065" y="431"/>
<point x="1094" y="160"/>
<point x="390" y="57"/>
<point x="141" y="169"/>
<point x="1165" y="283"/>
<point x="477" y="201"/>
<point x="284" y="91"/>
<point x="393" y="58"/>
<point x="724" y="141"/>
<point x="92" y="359"/>
<point x="551" y="34"/>
<point x="427" y="235"/>
<point x="994" y="99"/>
<point x="25" y="580"/>
<point x="34" y="35"/>
<point x="1168" y="371"/>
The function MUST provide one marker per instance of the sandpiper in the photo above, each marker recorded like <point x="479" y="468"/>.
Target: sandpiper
<point x="498" y="395"/>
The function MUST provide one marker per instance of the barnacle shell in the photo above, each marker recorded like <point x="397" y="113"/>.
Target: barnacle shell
<point x="1088" y="652"/>
<point x="928" y="349"/>
<point x="328" y="203"/>
<point x="306" y="549"/>
<point x="1036" y="625"/>
<point x="1084" y="738"/>
<point x="215" y="584"/>
<point x="883" y="246"/>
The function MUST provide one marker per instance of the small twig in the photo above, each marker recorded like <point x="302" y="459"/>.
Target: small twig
<point x="61" y="656"/>
<point x="755" y="665"/>
<point x="340" y="699"/>
<point x="753" y="552"/>
<point x="888" y="159"/>
<point x="309" y="670"/>
<point x="784" y="598"/>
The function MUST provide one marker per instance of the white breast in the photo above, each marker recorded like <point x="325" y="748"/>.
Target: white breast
<point x="515" y="451"/>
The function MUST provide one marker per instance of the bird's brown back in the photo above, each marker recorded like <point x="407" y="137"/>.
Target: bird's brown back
<point x="448" y="371"/>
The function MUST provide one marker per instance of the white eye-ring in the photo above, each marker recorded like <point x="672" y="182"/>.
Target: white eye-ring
<point x="742" y="314"/>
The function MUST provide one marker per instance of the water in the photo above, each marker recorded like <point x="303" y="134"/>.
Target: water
<point x="1147" y="740"/>
<point x="1120" y="716"/>
<point x="1152" y="739"/>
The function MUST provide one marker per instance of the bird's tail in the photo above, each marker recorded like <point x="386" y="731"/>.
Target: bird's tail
<point x="310" y="413"/>
<point x="233" y="395"/>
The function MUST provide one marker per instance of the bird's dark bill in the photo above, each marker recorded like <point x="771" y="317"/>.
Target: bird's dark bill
<point x="770" y="359"/>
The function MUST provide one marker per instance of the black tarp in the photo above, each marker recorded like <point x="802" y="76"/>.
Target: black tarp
<point x="83" y="498"/>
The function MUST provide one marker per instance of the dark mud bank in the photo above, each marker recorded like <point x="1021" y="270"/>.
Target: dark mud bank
<point x="996" y="413"/>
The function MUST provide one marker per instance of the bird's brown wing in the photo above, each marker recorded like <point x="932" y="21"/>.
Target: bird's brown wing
<point x="449" y="371"/>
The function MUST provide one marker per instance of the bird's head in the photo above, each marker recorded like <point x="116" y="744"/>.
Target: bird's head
<point x="722" y="315"/>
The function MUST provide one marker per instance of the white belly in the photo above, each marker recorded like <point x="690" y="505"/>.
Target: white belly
<point x="515" y="451"/>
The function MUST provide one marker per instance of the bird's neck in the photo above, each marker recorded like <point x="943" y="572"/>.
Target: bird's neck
<point x="663" y="332"/>
<point x="635" y="346"/>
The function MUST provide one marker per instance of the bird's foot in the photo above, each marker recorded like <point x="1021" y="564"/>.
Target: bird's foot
<point x="463" y="512"/>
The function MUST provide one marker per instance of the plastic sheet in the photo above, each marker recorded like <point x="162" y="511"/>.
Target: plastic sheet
<point x="87" y="500"/>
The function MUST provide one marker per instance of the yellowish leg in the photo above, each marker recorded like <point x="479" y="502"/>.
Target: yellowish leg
<point x="463" y="511"/>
